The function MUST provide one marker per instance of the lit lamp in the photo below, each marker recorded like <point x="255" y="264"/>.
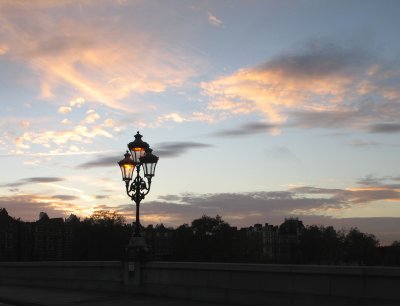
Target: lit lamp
<point x="138" y="148"/>
<point x="137" y="188"/>
<point x="127" y="167"/>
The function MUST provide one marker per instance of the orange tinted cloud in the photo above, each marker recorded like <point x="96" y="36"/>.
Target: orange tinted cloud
<point x="272" y="92"/>
<point x="71" y="47"/>
<point x="79" y="134"/>
<point x="64" y="109"/>
<point x="323" y="79"/>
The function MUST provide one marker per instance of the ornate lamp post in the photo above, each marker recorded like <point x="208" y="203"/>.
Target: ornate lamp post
<point x="140" y="157"/>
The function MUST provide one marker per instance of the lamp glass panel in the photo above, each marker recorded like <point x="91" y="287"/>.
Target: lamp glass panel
<point x="149" y="169"/>
<point x="137" y="153"/>
<point x="127" y="171"/>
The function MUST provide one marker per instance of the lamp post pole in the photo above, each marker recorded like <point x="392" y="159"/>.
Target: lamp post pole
<point x="140" y="157"/>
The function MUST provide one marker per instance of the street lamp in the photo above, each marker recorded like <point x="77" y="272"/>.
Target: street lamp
<point x="137" y="188"/>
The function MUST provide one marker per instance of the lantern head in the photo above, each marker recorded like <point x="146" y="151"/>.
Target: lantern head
<point x="149" y="162"/>
<point x="127" y="166"/>
<point x="137" y="148"/>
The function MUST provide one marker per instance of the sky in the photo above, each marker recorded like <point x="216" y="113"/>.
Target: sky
<point x="258" y="110"/>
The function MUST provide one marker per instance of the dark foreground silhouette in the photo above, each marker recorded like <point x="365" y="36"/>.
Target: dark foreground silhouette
<point x="104" y="236"/>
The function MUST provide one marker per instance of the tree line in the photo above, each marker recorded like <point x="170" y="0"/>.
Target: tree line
<point x="104" y="236"/>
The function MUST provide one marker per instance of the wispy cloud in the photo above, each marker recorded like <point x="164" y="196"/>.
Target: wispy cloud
<point x="77" y="51"/>
<point x="175" y="149"/>
<point x="164" y="150"/>
<point x="385" y="181"/>
<point x="105" y="161"/>
<point x="247" y="129"/>
<point x="180" y="118"/>
<point x="354" y="195"/>
<point x="214" y="20"/>
<point x="65" y="197"/>
<point x="33" y="180"/>
<point x="371" y="180"/>
<point x="385" y="128"/>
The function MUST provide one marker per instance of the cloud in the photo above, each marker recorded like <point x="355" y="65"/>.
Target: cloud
<point x="310" y="204"/>
<point x="29" y="135"/>
<point x="263" y="206"/>
<point x="324" y="119"/>
<point x="163" y="150"/>
<point x="176" y="149"/>
<point x="388" y="182"/>
<point x="239" y="208"/>
<point x="105" y="161"/>
<point x="354" y="195"/>
<point x="175" y="117"/>
<point x="78" y="134"/>
<point x="385" y="128"/>
<point x="319" y="60"/>
<point x="215" y="21"/>
<point x="247" y="129"/>
<point x="77" y="102"/>
<point x="28" y="207"/>
<point x="100" y="197"/>
<point x="100" y="55"/>
<point x="371" y="180"/>
<point x="179" y="118"/>
<point x="43" y="179"/>
<point x="65" y="197"/>
<point x="319" y="85"/>
<point x="34" y="180"/>
<point x="64" y="109"/>
<point x="91" y="116"/>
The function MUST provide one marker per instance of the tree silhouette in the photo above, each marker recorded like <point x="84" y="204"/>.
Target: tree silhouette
<point x="391" y="254"/>
<point x="106" y="218"/>
<point x="102" y="236"/>
<point x="182" y="243"/>
<point x="360" y="248"/>
<point x="206" y="239"/>
<point x="319" y="244"/>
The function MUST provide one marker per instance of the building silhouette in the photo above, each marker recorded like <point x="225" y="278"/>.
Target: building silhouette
<point x="159" y="238"/>
<point x="277" y="243"/>
<point x="44" y="239"/>
<point x="9" y="231"/>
